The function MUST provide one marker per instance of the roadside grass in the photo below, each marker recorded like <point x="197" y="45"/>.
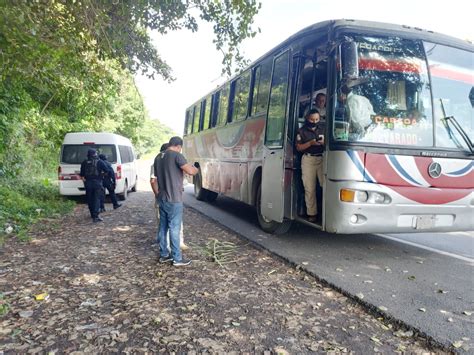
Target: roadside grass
<point x="25" y="201"/>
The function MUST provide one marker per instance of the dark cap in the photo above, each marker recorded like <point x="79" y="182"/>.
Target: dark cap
<point x="91" y="153"/>
<point x="102" y="157"/>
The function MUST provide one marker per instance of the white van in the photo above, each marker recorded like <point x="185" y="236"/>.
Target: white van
<point x="118" y="150"/>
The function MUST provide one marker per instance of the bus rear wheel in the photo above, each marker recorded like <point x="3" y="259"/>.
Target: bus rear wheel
<point x="199" y="192"/>
<point x="267" y="225"/>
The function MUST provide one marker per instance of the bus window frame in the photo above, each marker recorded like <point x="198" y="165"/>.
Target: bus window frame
<point x="206" y="100"/>
<point x="215" y="109"/>
<point x="197" y="124"/>
<point x="259" y="66"/>
<point x="286" y="52"/>
<point x="186" y="121"/>
<point x="192" y="115"/>
<point x="224" y="88"/>
<point x="234" y="87"/>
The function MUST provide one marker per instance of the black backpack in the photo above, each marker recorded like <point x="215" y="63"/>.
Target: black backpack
<point x="90" y="169"/>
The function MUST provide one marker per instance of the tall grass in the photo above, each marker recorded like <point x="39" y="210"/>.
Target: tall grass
<point x="24" y="201"/>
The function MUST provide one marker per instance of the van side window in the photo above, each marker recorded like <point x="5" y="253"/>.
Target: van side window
<point x="126" y="154"/>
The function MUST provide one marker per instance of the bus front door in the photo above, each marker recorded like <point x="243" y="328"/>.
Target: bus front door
<point x="272" y="188"/>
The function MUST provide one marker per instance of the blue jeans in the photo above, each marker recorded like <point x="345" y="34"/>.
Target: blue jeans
<point x="171" y="215"/>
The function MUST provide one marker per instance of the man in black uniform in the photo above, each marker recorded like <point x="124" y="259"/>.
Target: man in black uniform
<point x="310" y="141"/>
<point x="108" y="181"/>
<point x="91" y="173"/>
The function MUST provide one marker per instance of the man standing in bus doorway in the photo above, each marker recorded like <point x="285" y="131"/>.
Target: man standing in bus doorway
<point x="310" y="141"/>
<point x="169" y="168"/>
<point x="155" y="189"/>
<point x="91" y="173"/>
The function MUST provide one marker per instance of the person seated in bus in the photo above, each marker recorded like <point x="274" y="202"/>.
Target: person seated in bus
<point x="320" y="105"/>
<point x="358" y="108"/>
<point x="310" y="142"/>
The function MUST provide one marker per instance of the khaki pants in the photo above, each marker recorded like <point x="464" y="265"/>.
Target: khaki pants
<point x="312" y="169"/>
<point x="157" y="214"/>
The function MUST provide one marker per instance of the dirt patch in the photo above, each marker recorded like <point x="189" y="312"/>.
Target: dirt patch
<point x="101" y="289"/>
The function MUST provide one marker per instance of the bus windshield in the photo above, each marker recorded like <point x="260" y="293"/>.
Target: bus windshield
<point x="390" y="103"/>
<point x="452" y="78"/>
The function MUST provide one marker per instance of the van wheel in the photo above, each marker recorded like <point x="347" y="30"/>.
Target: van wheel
<point x="124" y="194"/>
<point x="211" y="196"/>
<point x="199" y="192"/>
<point x="134" y="188"/>
<point x="267" y="225"/>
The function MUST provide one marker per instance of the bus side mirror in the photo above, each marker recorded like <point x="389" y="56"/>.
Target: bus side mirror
<point x="350" y="60"/>
<point x="471" y="96"/>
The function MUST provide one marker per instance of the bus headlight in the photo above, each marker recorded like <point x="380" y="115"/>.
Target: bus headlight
<point x="361" y="196"/>
<point x="377" y="197"/>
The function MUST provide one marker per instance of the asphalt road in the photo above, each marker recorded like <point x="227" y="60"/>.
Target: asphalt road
<point x="425" y="281"/>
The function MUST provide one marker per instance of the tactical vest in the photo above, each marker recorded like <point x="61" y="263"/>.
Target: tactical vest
<point x="90" y="169"/>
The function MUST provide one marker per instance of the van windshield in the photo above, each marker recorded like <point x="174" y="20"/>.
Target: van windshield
<point x="77" y="153"/>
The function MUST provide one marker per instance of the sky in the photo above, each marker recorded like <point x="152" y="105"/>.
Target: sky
<point x="196" y="64"/>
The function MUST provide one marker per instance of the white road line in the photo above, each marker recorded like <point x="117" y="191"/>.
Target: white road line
<point x="456" y="256"/>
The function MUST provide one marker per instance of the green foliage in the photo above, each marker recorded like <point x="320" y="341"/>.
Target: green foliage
<point x="22" y="202"/>
<point x="66" y="66"/>
<point x="152" y="136"/>
<point x="4" y="306"/>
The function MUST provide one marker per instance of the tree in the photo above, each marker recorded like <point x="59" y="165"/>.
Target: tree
<point x="94" y="30"/>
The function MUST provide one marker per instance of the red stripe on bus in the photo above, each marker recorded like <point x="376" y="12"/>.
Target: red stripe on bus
<point x="389" y="65"/>
<point x="450" y="74"/>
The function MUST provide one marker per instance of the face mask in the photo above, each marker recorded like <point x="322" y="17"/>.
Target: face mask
<point x="310" y="124"/>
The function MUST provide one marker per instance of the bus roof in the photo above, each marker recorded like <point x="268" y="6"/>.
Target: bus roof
<point x="367" y="27"/>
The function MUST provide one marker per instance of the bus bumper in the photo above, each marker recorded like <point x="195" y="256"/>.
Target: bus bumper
<point x="399" y="216"/>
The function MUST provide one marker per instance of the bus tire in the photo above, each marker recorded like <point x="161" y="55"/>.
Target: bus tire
<point x="199" y="192"/>
<point x="211" y="196"/>
<point x="269" y="226"/>
<point x="134" y="188"/>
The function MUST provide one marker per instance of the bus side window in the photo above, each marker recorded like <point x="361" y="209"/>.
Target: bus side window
<point x="261" y="89"/>
<point x="197" y="117"/>
<point x="207" y="112"/>
<point x="189" y="120"/>
<point x="223" y="106"/>
<point x="215" y="109"/>
<point x="241" y="97"/>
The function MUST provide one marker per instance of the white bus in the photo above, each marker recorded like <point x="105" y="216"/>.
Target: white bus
<point x="118" y="150"/>
<point x="410" y="169"/>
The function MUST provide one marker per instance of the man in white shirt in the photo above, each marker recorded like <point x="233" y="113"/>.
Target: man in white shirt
<point x="359" y="108"/>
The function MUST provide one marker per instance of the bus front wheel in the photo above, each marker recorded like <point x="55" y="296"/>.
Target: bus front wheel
<point x="267" y="225"/>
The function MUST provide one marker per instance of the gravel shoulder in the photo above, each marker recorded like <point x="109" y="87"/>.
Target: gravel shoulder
<point x="79" y="286"/>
